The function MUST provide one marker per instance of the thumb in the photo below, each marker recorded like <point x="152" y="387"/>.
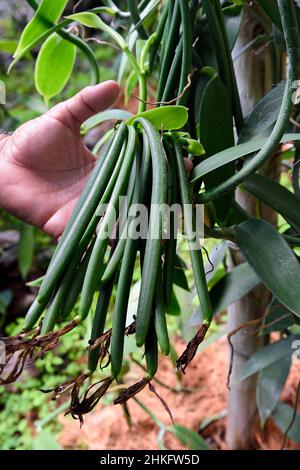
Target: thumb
<point x="86" y="103"/>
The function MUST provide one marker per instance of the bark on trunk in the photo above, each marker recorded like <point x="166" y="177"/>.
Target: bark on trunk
<point x="254" y="76"/>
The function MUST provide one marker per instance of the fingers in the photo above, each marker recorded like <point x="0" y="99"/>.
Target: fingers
<point x="86" y="103"/>
<point x="55" y="225"/>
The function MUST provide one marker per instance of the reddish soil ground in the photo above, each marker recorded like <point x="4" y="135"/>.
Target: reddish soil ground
<point x="106" y="427"/>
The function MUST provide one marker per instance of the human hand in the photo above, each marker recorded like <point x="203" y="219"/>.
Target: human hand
<point x="44" y="164"/>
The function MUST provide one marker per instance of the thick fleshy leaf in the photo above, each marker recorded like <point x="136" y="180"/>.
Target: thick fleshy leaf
<point x="26" y="247"/>
<point x="91" y="20"/>
<point x="206" y="74"/>
<point x="132" y="36"/>
<point x="266" y="356"/>
<point x="239" y="2"/>
<point x="36" y="282"/>
<point x="272" y="259"/>
<point x="205" y="48"/>
<point x="131" y="41"/>
<point x="166" y="118"/>
<point x="264" y="115"/>
<point x="8" y="46"/>
<point x="45" y="17"/>
<point x="54" y="66"/>
<point x="142" y="51"/>
<point x="99" y="118"/>
<point x="237" y="215"/>
<point x="274" y="195"/>
<point x="179" y="277"/>
<point x="234" y="285"/>
<point x="231" y="287"/>
<point x="232" y="20"/>
<point x="271" y="9"/>
<point x="131" y="83"/>
<point x="270" y="383"/>
<point x="279" y="318"/>
<point x="283" y="416"/>
<point x="212" y="339"/>
<point x="6" y="297"/>
<point x="216" y="134"/>
<point x="174" y="307"/>
<point x="234" y="153"/>
<point x="189" y="438"/>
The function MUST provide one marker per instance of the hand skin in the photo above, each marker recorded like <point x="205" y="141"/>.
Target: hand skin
<point x="44" y="164"/>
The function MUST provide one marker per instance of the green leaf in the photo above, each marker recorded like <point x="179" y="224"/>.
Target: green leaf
<point x="231" y="287"/>
<point x="26" y="248"/>
<point x="54" y="29"/>
<point x="131" y="83"/>
<point x="192" y="146"/>
<point x="229" y="155"/>
<point x="233" y="15"/>
<point x="99" y="118"/>
<point x="179" y="277"/>
<point x="174" y="307"/>
<point x="188" y="437"/>
<point x="139" y="46"/>
<point x="132" y="36"/>
<point x="166" y="118"/>
<point x="239" y="2"/>
<point x="45" y="441"/>
<point x="264" y="115"/>
<point x="274" y="195"/>
<point x="142" y="51"/>
<point x="91" y="20"/>
<point x="46" y="16"/>
<point x="272" y="259"/>
<point x="5" y="299"/>
<point x="271" y="9"/>
<point x="36" y="282"/>
<point x="237" y="215"/>
<point x="270" y="383"/>
<point x="216" y="134"/>
<point x="131" y="41"/>
<point x="266" y="356"/>
<point x="212" y="338"/>
<point x="8" y="46"/>
<point x="283" y="416"/>
<point x="54" y="66"/>
<point x="279" y="318"/>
